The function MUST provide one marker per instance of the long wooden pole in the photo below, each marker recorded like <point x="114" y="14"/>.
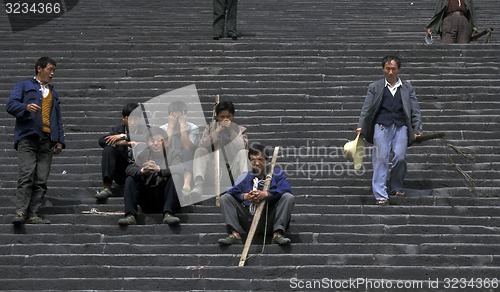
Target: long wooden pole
<point x="258" y="212"/>
<point x="216" y="162"/>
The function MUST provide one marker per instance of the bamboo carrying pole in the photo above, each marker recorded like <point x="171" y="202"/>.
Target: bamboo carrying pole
<point x="258" y="213"/>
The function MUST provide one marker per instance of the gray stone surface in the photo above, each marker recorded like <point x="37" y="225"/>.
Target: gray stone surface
<point x="298" y="75"/>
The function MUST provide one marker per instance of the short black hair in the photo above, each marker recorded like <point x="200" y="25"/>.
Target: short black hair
<point x="256" y="149"/>
<point x="43" y="62"/>
<point x="129" y="108"/>
<point x="177" y="106"/>
<point x="389" y="58"/>
<point x="156" y="131"/>
<point x="224" y="105"/>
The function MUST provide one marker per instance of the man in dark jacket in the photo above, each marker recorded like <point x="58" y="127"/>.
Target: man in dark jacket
<point x="151" y="180"/>
<point x="115" y="153"/>
<point x="390" y="119"/>
<point x="454" y="21"/>
<point x="38" y="134"/>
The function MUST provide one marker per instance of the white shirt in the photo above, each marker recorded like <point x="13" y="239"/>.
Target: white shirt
<point x="394" y="88"/>
<point x="43" y="88"/>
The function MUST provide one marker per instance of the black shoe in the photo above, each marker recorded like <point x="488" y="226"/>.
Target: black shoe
<point x="103" y="194"/>
<point x="127" y="220"/>
<point x="398" y="194"/>
<point x="19" y="218"/>
<point x="170" y="219"/>
<point x="231" y="239"/>
<point x="216" y="38"/>
<point x="35" y="219"/>
<point x="281" y="239"/>
<point x="234" y="37"/>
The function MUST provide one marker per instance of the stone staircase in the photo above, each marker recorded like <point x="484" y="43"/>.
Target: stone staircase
<point x="298" y="75"/>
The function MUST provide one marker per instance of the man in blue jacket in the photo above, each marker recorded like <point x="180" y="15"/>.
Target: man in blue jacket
<point x="390" y="119"/>
<point x="238" y="204"/>
<point x="38" y="135"/>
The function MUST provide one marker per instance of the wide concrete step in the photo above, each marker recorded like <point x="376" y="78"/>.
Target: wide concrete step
<point x="285" y="278"/>
<point x="171" y="260"/>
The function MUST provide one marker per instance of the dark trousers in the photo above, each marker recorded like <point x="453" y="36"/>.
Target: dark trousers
<point x="34" y="154"/>
<point x="456" y="29"/>
<point x="224" y="15"/>
<point x="113" y="165"/>
<point x="161" y="199"/>
<point x="238" y="218"/>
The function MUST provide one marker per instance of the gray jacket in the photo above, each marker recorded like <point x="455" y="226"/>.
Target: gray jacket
<point x="371" y="108"/>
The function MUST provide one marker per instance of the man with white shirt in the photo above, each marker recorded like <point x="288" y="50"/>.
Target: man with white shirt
<point x="38" y="135"/>
<point x="390" y="119"/>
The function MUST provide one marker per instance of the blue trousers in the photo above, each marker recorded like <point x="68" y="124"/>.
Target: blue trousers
<point x="386" y="139"/>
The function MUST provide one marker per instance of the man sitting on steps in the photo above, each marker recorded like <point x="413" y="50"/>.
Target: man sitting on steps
<point x="228" y="137"/>
<point x="150" y="181"/>
<point x="239" y="202"/>
<point x="115" y="153"/>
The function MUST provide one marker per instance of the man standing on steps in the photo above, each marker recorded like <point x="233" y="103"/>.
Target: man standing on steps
<point x="239" y="203"/>
<point x="225" y="17"/>
<point x="38" y="134"/>
<point x="390" y="119"/>
<point x="454" y="21"/>
<point x="115" y="153"/>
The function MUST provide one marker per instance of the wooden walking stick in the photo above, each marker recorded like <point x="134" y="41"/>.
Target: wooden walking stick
<point x="258" y="212"/>
<point x="216" y="160"/>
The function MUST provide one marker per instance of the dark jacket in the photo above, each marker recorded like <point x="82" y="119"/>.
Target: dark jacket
<point x="24" y="93"/>
<point x="436" y="23"/>
<point x="371" y="108"/>
<point x="122" y="149"/>
<point x="172" y="166"/>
